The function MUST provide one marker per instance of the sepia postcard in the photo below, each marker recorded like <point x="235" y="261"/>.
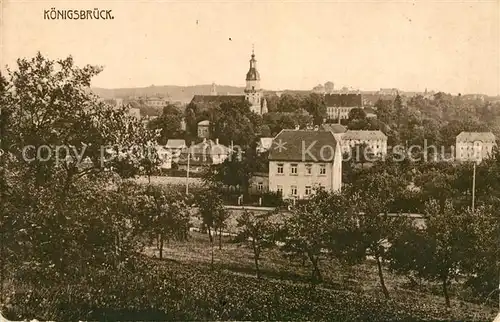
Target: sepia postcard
<point x="258" y="160"/>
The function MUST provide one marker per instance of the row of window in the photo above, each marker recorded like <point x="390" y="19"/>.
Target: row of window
<point x="294" y="169"/>
<point x="293" y="190"/>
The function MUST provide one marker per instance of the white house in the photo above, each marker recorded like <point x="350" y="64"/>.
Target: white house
<point x="175" y="147"/>
<point x="375" y="140"/>
<point x="474" y="146"/>
<point x="302" y="160"/>
<point x="203" y="154"/>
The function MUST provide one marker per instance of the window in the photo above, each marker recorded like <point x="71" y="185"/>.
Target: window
<point x="260" y="186"/>
<point x="308" y="190"/>
<point x="293" y="190"/>
<point x="280" y="168"/>
<point x="308" y="169"/>
<point x="293" y="170"/>
<point x="279" y="189"/>
<point x="322" y="169"/>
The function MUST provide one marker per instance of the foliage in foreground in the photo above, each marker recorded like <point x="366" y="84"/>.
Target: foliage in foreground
<point x="151" y="290"/>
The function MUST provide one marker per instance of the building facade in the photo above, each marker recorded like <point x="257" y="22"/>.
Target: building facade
<point x="376" y="141"/>
<point x="204" y="129"/>
<point x="304" y="160"/>
<point x="339" y="105"/>
<point x="175" y="147"/>
<point x="474" y="146"/>
<point x="204" y="154"/>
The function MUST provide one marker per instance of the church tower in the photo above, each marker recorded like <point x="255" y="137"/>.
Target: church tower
<point x="253" y="92"/>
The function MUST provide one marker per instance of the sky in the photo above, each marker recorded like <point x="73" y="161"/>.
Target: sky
<point x="451" y="46"/>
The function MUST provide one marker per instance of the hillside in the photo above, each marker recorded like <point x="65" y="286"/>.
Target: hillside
<point x="174" y="93"/>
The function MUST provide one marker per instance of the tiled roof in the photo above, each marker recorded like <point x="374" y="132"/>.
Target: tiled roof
<point x="335" y="128"/>
<point x="343" y="100"/>
<point x="476" y="136"/>
<point x="364" y="135"/>
<point x="217" y="99"/>
<point x="303" y="146"/>
<point x="176" y="143"/>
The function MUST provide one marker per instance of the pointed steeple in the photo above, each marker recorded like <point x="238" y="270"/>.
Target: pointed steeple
<point x="253" y="74"/>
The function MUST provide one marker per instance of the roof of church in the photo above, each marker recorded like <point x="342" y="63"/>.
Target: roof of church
<point x="344" y="100"/>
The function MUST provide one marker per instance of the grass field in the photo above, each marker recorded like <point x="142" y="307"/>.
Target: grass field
<point x="361" y="279"/>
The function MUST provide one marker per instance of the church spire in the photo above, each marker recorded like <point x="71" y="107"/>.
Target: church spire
<point x="253" y="74"/>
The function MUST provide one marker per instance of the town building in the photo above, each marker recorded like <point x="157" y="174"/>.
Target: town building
<point x="376" y="141"/>
<point x="175" y="147"/>
<point x="253" y="93"/>
<point x="204" y="129"/>
<point x="339" y="105"/>
<point x="474" y="146"/>
<point x="155" y="101"/>
<point x="204" y="154"/>
<point x="303" y="160"/>
<point x="165" y="157"/>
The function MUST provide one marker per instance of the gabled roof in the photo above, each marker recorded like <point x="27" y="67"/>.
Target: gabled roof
<point x="343" y="100"/>
<point x="476" y="136"/>
<point x="333" y="127"/>
<point x="364" y="135"/>
<point x="217" y="99"/>
<point x="175" y="143"/>
<point x="204" y="122"/>
<point x="303" y="146"/>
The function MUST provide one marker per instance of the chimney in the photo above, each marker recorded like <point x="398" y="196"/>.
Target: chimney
<point x="204" y="140"/>
<point x="217" y="141"/>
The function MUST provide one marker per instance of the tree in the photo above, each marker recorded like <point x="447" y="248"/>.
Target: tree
<point x="439" y="249"/>
<point x="256" y="231"/>
<point x="377" y="193"/>
<point x="315" y="105"/>
<point x="289" y="103"/>
<point x="165" y="215"/>
<point x="212" y="212"/>
<point x="58" y="141"/>
<point x="169" y="124"/>
<point x="323" y="226"/>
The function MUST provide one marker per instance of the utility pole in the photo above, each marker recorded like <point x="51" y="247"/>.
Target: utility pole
<point x="473" y="185"/>
<point x="187" y="172"/>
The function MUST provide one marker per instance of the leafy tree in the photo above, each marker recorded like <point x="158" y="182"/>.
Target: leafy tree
<point x="289" y="103"/>
<point x="376" y="195"/>
<point x="438" y="251"/>
<point x="169" y="124"/>
<point x="164" y="214"/>
<point x="323" y="226"/>
<point x="256" y="231"/>
<point x="315" y="105"/>
<point x="212" y="212"/>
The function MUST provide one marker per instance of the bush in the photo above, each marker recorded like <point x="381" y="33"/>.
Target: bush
<point x="151" y="290"/>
